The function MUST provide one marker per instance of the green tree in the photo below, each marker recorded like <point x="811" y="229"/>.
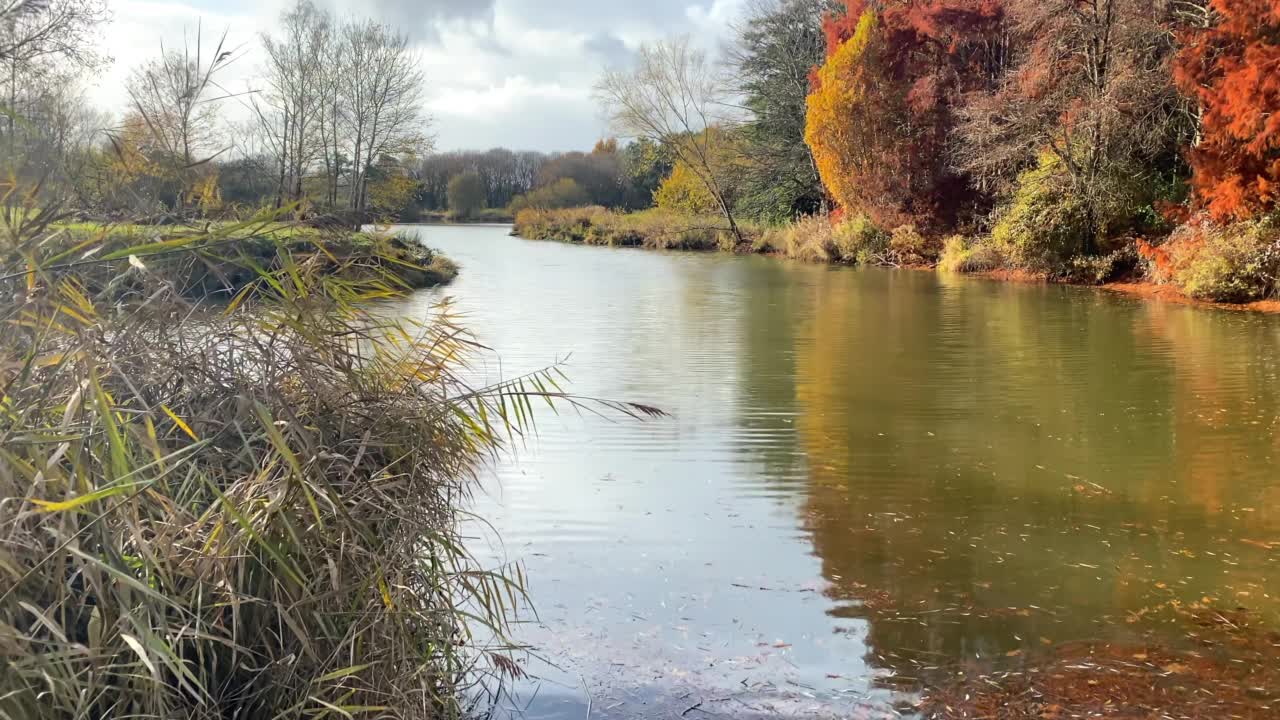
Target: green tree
<point x="466" y="194"/>
<point x="645" y="165"/>
<point x="773" y="54"/>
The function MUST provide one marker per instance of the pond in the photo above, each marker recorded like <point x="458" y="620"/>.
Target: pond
<point x="869" y="481"/>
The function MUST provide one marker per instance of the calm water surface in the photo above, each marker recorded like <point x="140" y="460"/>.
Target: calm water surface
<point x="868" y="479"/>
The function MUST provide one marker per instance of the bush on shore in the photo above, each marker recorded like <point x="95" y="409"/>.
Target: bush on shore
<point x="853" y="239"/>
<point x="1234" y="263"/>
<point x="497" y="216"/>
<point x="959" y="254"/>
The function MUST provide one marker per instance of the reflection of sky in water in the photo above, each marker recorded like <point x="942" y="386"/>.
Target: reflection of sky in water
<point x="865" y="473"/>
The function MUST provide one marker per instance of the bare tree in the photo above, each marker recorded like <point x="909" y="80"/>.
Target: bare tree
<point x="380" y="91"/>
<point x="674" y="96"/>
<point x="295" y="93"/>
<point x="36" y="38"/>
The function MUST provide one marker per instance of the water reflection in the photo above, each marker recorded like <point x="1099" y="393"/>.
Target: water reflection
<point x="993" y="467"/>
<point x="868" y="477"/>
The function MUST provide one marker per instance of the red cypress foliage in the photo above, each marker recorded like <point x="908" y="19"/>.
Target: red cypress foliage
<point x="1233" y="70"/>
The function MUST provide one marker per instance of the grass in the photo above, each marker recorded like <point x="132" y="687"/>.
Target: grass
<point x="655" y="229"/>
<point x="219" y="259"/>
<point x="239" y="511"/>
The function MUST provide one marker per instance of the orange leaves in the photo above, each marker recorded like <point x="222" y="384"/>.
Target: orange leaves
<point x="839" y="114"/>
<point x="882" y="106"/>
<point x="1233" y="70"/>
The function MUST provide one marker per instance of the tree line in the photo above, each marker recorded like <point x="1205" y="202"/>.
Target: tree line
<point x="1077" y="138"/>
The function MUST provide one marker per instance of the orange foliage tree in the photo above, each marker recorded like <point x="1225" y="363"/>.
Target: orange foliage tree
<point x="883" y="105"/>
<point x="1232" y="68"/>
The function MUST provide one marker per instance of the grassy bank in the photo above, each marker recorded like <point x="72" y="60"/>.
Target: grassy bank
<point x="244" y="510"/>
<point x="221" y="259"/>
<point x="1200" y="261"/>
<point x="655" y="229"/>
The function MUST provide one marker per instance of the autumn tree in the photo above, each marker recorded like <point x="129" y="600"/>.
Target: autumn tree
<point x="674" y="97"/>
<point x="563" y="193"/>
<point x="1232" y="70"/>
<point x="645" y="164"/>
<point x="598" y="173"/>
<point x="885" y="102"/>
<point x="682" y="192"/>
<point x="1090" y="83"/>
<point x="391" y="194"/>
<point x="45" y="48"/>
<point x="380" y="92"/>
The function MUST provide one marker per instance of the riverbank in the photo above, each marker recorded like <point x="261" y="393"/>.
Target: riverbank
<point x="653" y="229"/>
<point x="221" y="259"/>
<point x="855" y="241"/>
<point x="444" y="217"/>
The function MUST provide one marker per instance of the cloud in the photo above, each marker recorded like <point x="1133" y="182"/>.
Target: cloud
<point x="499" y="72"/>
<point x="421" y="20"/>
<point x="610" y="48"/>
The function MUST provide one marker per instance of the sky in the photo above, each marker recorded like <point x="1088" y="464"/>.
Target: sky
<point x="510" y="73"/>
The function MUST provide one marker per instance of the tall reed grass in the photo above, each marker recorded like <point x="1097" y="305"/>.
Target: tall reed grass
<point x="245" y="509"/>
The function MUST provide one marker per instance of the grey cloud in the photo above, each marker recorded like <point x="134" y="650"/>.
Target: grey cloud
<point x="610" y="48"/>
<point x="421" y="19"/>
<point x="595" y="14"/>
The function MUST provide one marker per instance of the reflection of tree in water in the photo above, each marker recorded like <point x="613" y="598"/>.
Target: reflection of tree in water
<point x="995" y="467"/>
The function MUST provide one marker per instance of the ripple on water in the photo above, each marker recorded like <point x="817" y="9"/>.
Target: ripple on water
<point x="868" y="478"/>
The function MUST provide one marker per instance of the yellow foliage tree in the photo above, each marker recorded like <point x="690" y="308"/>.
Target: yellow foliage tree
<point x="205" y="194"/>
<point x="130" y="156"/>
<point x="686" y="193"/>
<point x="840" y="122"/>
<point x="392" y="194"/>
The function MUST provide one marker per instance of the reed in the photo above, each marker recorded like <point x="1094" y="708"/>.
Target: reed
<point x="243" y="509"/>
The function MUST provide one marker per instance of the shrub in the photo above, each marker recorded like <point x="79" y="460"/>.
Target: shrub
<point x="1099" y="269"/>
<point x="1044" y="224"/>
<point x="1223" y="263"/>
<point x="909" y="247"/>
<point x="655" y="228"/>
<point x="810" y="239"/>
<point x="858" y="239"/>
<point x="961" y="255"/>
